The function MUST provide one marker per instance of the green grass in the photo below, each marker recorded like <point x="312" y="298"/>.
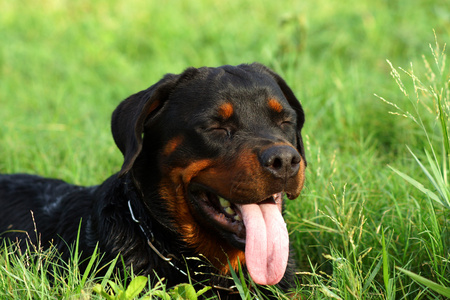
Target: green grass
<point x="358" y="226"/>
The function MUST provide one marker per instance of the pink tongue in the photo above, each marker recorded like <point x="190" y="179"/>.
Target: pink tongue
<point x="267" y="242"/>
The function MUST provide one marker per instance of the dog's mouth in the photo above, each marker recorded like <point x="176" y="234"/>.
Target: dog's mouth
<point x="218" y="212"/>
<point x="256" y="228"/>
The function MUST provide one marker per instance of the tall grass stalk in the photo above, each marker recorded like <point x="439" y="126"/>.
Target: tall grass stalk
<point x="429" y="96"/>
<point x="430" y="99"/>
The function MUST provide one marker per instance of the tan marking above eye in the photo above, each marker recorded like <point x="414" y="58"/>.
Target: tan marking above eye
<point x="172" y="145"/>
<point x="226" y="110"/>
<point x="275" y="105"/>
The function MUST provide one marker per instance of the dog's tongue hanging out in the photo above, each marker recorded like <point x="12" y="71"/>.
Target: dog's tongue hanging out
<point x="267" y="242"/>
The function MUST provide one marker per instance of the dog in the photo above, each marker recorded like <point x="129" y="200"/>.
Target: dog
<point x="209" y="157"/>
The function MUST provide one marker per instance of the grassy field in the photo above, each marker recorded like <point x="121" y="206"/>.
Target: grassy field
<point x="360" y="221"/>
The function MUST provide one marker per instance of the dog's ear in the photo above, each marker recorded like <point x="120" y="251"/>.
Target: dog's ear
<point x="130" y="116"/>
<point x="292" y="100"/>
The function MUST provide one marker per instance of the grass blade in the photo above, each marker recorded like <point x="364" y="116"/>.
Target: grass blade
<point x="238" y="282"/>
<point x="389" y="280"/>
<point x="417" y="185"/>
<point x="89" y="267"/>
<point x="444" y="291"/>
<point x="108" y="273"/>
<point x="385" y="263"/>
<point x="441" y="187"/>
<point x="135" y="287"/>
<point x="372" y="275"/>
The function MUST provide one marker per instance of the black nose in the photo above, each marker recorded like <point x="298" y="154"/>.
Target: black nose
<point x="282" y="161"/>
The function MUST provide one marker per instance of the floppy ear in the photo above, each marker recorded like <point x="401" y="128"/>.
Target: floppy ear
<point x="129" y="118"/>
<point x="293" y="101"/>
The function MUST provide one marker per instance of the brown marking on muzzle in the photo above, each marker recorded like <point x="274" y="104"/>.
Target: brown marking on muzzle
<point x="247" y="181"/>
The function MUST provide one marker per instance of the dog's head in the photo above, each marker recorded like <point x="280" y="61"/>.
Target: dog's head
<point x="224" y="146"/>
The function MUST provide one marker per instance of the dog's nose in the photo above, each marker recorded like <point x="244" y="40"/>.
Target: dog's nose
<point x="282" y="161"/>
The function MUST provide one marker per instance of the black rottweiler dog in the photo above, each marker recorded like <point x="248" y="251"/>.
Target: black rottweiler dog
<point x="208" y="157"/>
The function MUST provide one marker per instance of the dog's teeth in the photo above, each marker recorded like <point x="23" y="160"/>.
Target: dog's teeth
<point x="224" y="203"/>
<point x="277" y="197"/>
<point x="229" y="211"/>
<point x="237" y="218"/>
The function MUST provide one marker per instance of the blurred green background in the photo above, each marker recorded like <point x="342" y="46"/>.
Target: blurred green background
<point x="65" y="65"/>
